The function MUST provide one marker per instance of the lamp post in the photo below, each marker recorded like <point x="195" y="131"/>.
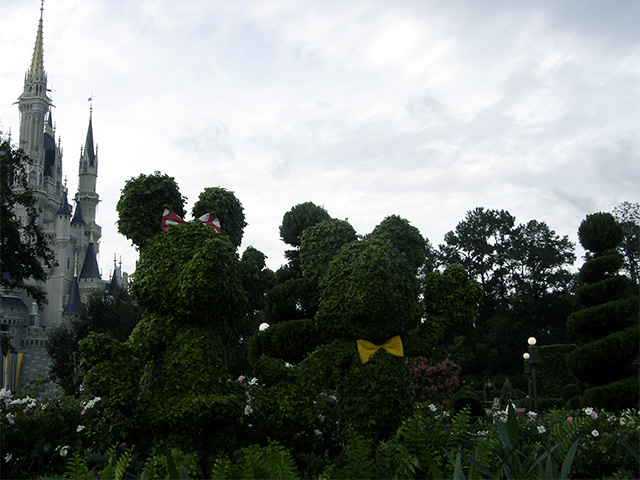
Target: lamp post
<point x="533" y="362"/>
<point x="527" y="370"/>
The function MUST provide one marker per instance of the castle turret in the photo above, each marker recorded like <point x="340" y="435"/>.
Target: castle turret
<point x="73" y="303"/>
<point x="87" y="197"/>
<point x="34" y="105"/>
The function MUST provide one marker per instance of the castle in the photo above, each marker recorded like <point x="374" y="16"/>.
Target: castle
<point x="74" y="233"/>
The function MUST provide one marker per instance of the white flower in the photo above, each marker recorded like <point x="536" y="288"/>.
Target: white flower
<point x="595" y="433"/>
<point x="532" y="415"/>
<point x="541" y="429"/>
<point x="79" y="428"/>
<point x="287" y="364"/>
<point x="253" y="381"/>
<point x="248" y="410"/>
<point x="5" y="394"/>
<point x="90" y="403"/>
<point x="8" y="457"/>
<point x="587" y="410"/>
<point x="623" y="421"/>
<point x="63" y="450"/>
<point x="432" y="407"/>
<point x="10" y="418"/>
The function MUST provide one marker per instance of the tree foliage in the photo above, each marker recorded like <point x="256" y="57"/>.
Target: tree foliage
<point x="300" y="217"/>
<point x="628" y="216"/>
<point x="141" y="203"/>
<point x="26" y="254"/>
<point x="224" y="204"/>
<point x="115" y="315"/>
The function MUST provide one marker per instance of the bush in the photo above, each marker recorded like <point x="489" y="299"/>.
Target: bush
<point x="607" y="359"/>
<point x="290" y="341"/>
<point x="376" y="396"/>
<point x="553" y="371"/>
<point x="466" y="397"/>
<point x="612" y="288"/>
<point x="598" y="267"/>
<point x="615" y="396"/>
<point x="601" y="320"/>
<point x="570" y="391"/>
<point x="434" y="383"/>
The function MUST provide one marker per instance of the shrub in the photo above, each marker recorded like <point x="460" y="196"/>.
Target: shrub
<point x="612" y="288"/>
<point x="615" y="396"/>
<point x="598" y="267"/>
<point x="466" y="397"/>
<point x="553" y="371"/>
<point x="570" y="391"/>
<point x="434" y="383"/>
<point x="375" y="397"/>
<point x="290" y="341"/>
<point x="607" y="359"/>
<point x="601" y="320"/>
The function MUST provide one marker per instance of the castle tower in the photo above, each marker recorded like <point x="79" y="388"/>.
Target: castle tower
<point x="34" y="105"/>
<point x="86" y="198"/>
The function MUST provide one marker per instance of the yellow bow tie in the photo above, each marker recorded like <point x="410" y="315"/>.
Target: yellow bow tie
<point x="393" y="346"/>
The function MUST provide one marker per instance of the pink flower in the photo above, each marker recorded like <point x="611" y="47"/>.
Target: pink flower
<point x="83" y="412"/>
<point x="570" y="419"/>
<point x="594" y="415"/>
<point x="241" y="378"/>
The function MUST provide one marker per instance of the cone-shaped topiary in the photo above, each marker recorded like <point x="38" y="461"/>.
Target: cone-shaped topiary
<point x="608" y="323"/>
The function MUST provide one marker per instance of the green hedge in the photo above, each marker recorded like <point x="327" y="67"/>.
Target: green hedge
<point x="596" y="269"/>
<point x="611" y="288"/>
<point x="553" y="372"/>
<point x="616" y="396"/>
<point x="604" y="319"/>
<point x="607" y="359"/>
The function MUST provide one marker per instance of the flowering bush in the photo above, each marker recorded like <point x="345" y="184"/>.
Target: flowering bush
<point x="39" y="432"/>
<point x="434" y="382"/>
<point x="601" y="436"/>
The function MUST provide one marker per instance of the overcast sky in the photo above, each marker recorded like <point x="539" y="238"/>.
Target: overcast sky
<point x="424" y="109"/>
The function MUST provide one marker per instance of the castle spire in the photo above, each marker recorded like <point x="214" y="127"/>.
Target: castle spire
<point x="37" y="61"/>
<point x="89" y="150"/>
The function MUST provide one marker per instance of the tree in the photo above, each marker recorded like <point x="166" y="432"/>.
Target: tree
<point x="608" y="322"/>
<point x="26" y="253"/>
<point x="142" y="202"/>
<point x="450" y="301"/>
<point x="628" y="216"/>
<point x="224" y="204"/>
<point x="539" y="260"/>
<point x="296" y="295"/>
<point x="115" y="315"/>
<point x="480" y="243"/>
